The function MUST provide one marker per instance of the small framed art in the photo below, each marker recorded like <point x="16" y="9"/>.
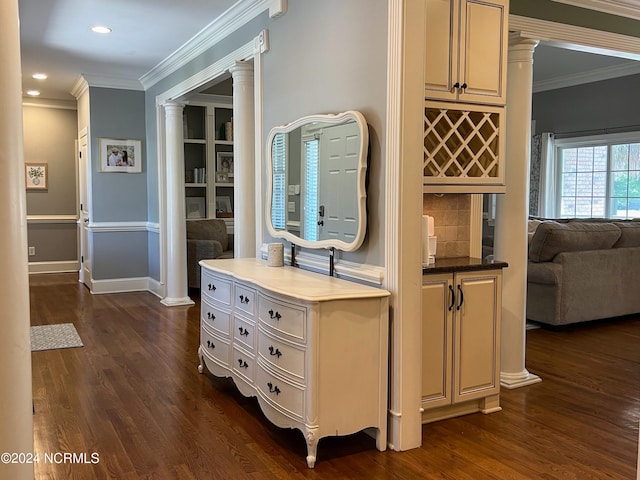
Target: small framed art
<point x="36" y="176"/>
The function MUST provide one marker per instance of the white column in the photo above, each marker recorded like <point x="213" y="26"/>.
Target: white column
<point x="512" y="209"/>
<point x="244" y="198"/>
<point x="16" y="400"/>
<point x="177" y="289"/>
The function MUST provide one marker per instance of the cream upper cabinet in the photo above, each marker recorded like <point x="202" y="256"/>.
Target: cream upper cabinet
<point x="466" y="50"/>
<point x="461" y="343"/>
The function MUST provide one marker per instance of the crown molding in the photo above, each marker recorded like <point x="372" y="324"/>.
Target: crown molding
<point x="49" y="103"/>
<point x="586" y="77"/>
<point x="581" y="39"/>
<point x="104" y="81"/>
<point x="576" y="38"/>
<point x="231" y="20"/>
<point x="79" y="88"/>
<point x="622" y="8"/>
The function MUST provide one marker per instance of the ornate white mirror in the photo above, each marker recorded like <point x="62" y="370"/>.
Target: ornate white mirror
<point x="316" y="168"/>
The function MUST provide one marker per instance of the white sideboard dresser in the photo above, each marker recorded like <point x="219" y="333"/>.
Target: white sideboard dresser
<point x="313" y="349"/>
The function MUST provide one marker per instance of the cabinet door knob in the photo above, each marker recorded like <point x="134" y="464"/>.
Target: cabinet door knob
<point x="275" y="315"/>
<point x="211" y="316"/>
<point x="242" y="363"/>
<point x="210" y="344"/>
<point x="212" y="287"/>
<point x="243" y="331"/>
<point x="463" y="86"/>
<point x="456" y="86"/>
<point x="461" y="298"/>
<point x="244" y="299"/>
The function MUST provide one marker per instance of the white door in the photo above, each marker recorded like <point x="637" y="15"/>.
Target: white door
<point x="338" y="181"/>
<point x="83" y="183"/>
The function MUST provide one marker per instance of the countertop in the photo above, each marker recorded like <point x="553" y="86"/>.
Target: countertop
<point x="462" y="264"/>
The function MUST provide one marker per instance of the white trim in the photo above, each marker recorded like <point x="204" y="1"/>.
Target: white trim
<point x="214" y="70"/>
<point x="50" y="103"/>
<point x="576" y="38"/>
<point x="622" y="8"/>
<point x="105" y="81"/>
<point x="101" y="227"/>
<point x="231" y="20"/>
<point x="587" y="77"/>
<point x="79" y="88"/>
<point x="121" y="285"/>
<point x="61" y="266"/>
<point x="52" y="219"/>
<point x="153" y="227"/>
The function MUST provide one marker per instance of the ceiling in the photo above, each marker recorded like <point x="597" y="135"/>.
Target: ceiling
<point x="56" y="39"/>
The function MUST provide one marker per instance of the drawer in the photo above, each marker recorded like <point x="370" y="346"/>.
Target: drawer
<point x="244" y="300"/>
<point x="214" y="318"/>
<point x="285" y="357"/>
<point x="244" y="333"/>
<point x="282" y="317"/>
<point x="283" y="395"/>
<point x="216" y="288"/>
<point x="244" y="364"/>
<point x="215" y="347"/>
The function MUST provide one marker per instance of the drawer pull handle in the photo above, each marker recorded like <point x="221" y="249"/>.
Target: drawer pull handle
<point x="275" y="352"/>
<point x="244" y="299"/>
<point x="211" y="316"/>
<point x="210" y="344"/>
<point x="243" y="331"/>
<point x="242" y="363"/>
<point x="275" y="315"/>
<point x="212" y="287"/>
<point x="273" y="389"/>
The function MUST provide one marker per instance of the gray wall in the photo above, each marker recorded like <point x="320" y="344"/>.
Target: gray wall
<point x="118" y="197"/>
<point x="324" y="57"/>
<point x="589" y="109"/>
<point x="49" y="137"/>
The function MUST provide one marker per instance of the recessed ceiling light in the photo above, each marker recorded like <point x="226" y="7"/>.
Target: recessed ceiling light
<point x="33" y="93"/>
<point x="39" y="76"/>
<point x="100" y="29"/>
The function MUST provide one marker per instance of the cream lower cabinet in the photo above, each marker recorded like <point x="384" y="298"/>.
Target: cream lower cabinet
<point x="313" y="349"/>
<point x="460" y="343"/>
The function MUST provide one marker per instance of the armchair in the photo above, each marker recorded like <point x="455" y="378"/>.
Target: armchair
<point x="206" y="239"/>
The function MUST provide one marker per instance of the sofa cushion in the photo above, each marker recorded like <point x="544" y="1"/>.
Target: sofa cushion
<point x="630" y="234"/>
<point x="552" y="238"/>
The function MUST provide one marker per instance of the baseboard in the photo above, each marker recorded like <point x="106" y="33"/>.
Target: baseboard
<point x="65" y="266"/>
<point x="123" y="285"/>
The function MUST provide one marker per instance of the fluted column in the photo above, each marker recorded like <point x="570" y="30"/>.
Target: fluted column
<point x="16" y="414"/>
<point x="244" y="198"/>
<point x="512" y="210"/>
<point x="177" y="289"/>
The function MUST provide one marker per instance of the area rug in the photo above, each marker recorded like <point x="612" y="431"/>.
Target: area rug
<point x="48" y="337"/>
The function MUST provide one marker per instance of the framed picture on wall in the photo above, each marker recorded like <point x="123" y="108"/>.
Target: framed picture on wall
<point x="120" y="155"/>
<point x="36" y="176"/>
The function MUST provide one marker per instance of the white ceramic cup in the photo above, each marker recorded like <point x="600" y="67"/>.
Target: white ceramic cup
<point x="275" y="255"/>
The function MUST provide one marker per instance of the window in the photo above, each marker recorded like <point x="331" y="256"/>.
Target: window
<point x="311" y="207"/>
<point x="598" y="177"/>
<point x="279" y="158"/>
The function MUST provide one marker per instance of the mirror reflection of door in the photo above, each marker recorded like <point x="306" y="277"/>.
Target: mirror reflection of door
<point x="311" y="226"/>
<point x="337" y="180"/>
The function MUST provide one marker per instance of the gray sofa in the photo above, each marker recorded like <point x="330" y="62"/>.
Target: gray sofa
<point x="581" y="270"/>
<point x="206" y="239"/>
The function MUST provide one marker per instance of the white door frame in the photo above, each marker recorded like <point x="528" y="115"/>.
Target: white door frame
<point x="251" y="51"/>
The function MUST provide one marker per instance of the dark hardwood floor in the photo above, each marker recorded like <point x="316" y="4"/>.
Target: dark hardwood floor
<point x="133" y="395"/>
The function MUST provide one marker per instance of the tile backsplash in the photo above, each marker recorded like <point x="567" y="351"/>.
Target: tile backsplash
<point x="451" y="214"/>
